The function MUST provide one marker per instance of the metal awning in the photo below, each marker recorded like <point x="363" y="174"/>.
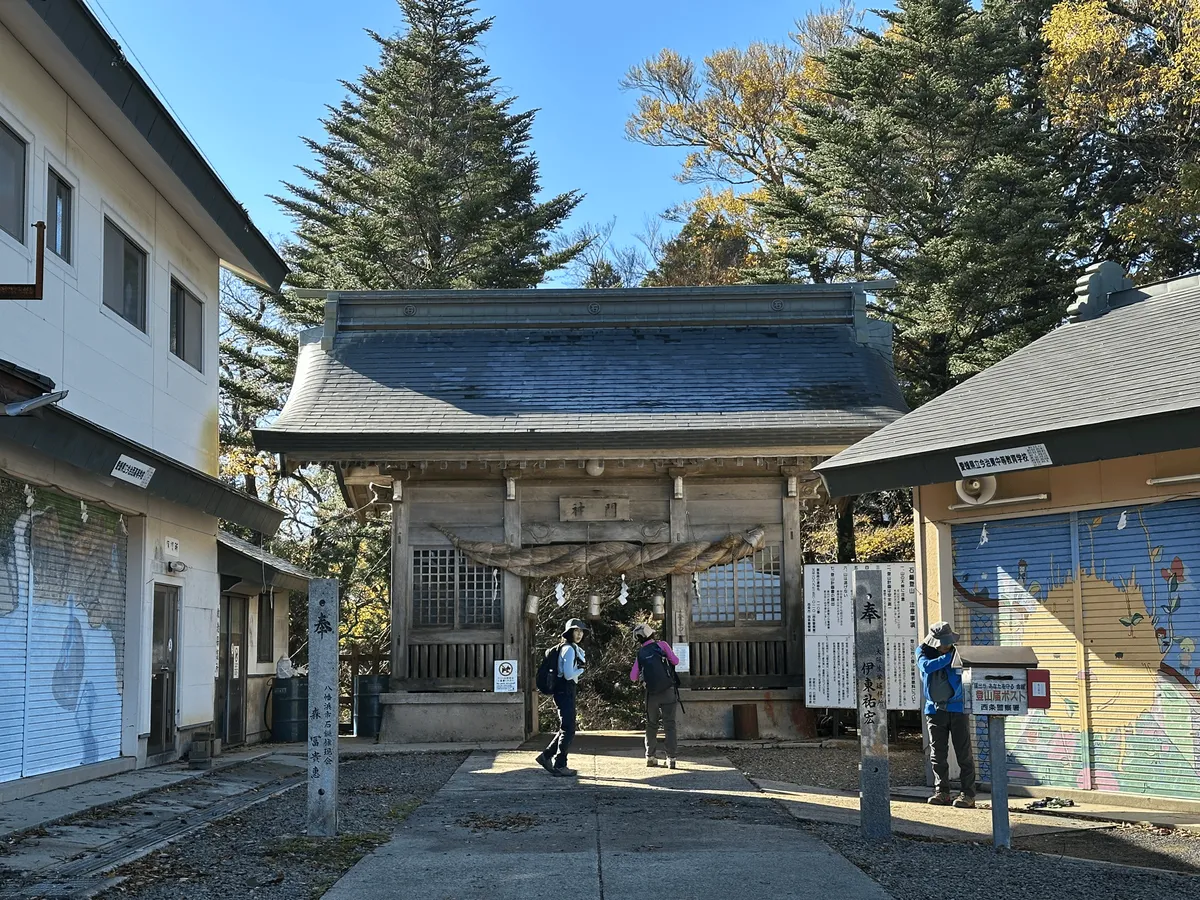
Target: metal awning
<point x="68" y="438"/>
<point x="252" y="565"/>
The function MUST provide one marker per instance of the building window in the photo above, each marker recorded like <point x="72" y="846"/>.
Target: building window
<point x="59" y="199"/>
<point x="266" y="627"/>
<point x="124" y="276"/>
<point x="187" y="326"/>
<point x="747" y="592"/>
<point x="12" y="183"/>
<point x="450" y="591"/>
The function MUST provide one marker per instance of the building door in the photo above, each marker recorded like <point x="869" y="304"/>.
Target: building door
<point x="162" y="671"/>
<point x="231" y="682"/>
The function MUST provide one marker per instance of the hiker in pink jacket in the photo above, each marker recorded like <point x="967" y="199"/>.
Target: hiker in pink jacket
<point x="655" y="665"/>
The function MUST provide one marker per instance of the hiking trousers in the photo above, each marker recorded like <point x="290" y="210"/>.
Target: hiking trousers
<point x="944" y="728"/>
<point x="661" y="707"/>
<point x="564" y="702"/>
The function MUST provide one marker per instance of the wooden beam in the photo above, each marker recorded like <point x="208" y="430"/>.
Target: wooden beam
<point x="401" y="590"/>
<point x="793" y="584"/>
<point x="514" y="598"/>
<point x="679" y="608"/>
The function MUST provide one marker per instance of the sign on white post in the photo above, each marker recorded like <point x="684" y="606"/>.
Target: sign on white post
<point x="504" y="679"/>
<point x="683" y="652"/>
<point x="996" y="692"/>
<point x="829" y="652"/>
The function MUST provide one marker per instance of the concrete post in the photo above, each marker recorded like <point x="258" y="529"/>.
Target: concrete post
<point x="323" y="707"/>
<point x="875" y="809"/>
<point x="1001" y="835"/>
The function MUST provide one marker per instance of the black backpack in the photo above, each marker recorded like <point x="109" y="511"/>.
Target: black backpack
<point x="655" y="669"/>
<point x="547" y="673"/>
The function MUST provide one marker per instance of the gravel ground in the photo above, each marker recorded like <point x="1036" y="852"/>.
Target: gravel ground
<point x="919" y="870"/>
<point x="262" y="853"/>
<point x="831" y="767"/>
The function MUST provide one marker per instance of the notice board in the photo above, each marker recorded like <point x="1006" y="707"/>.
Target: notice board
<point x="829" y="635"/>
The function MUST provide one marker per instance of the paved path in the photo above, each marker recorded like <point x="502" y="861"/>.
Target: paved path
<point x="503" y="828"/>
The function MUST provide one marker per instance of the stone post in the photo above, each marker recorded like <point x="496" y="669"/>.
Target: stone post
<point x="323" y="707"/>
<point x="875" y="810"/>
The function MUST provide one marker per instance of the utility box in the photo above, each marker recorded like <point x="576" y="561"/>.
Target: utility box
<point x="996" y="679"/>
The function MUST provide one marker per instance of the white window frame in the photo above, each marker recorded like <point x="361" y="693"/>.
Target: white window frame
<point x="175" y="275"/>
<point x="52" y="162"/>
<point x="107" y="212"/>
<point x="18" y="127"/>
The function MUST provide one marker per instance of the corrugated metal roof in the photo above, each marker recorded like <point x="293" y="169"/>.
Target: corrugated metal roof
<point x="1135" y="362"/>
<point x="625" y="386"/>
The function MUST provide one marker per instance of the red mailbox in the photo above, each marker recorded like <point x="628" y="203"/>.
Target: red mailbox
<point x="1038" y="687"/>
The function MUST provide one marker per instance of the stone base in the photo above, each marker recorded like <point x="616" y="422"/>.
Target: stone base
<point x="782" y="715"/>
<point x="435" y="718"/>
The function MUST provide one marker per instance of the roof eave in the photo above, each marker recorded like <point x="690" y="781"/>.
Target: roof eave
<point x="1093" y="442"/>
<point x="94" y="70"/>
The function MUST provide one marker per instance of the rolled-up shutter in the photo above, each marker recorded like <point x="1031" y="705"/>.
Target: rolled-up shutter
<point x="1014" y="580"/>
<point x="62" y="631"/>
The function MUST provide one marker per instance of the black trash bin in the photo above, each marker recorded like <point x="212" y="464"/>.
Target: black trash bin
<point x="368" y="711"/>
<point x="289" y="719"/>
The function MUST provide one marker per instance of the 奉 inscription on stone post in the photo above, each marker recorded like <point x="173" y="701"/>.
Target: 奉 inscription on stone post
<point x="323" y="707"/>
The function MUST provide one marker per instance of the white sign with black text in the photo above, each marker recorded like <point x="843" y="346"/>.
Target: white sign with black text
<point x="1011" y="460"/>
<point x="129" y="469"/>
<point x="829" y="656"/>
<point x="505" y="678"/>
<point x="683" y="652"/>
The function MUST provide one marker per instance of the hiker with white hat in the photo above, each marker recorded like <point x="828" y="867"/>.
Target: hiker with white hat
<point x="944" y="711"/>
<point x="571" y="660"/>
<point x="655" y="665"/>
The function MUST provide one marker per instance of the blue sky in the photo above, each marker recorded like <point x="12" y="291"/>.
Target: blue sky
<point x="248" y="78"/>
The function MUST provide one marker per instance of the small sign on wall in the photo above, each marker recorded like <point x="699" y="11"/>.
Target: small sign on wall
<point x="171" y="547"/>
<point x="505" y="676"/>
<point x="684" y="653"/>
<point x="1013" y="459"/>
<point x="129" y="469"/>
<point x="593" y="509"/>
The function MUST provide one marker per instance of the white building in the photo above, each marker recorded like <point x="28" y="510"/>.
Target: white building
<point x="112" y="599"/>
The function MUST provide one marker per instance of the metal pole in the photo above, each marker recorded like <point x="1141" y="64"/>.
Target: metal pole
<point x="1001" y="835"/>
<point x="875" y="809"/>
<point x="323" y="693"/>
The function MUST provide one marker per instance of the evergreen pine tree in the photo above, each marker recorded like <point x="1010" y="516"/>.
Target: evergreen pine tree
<point x="425" y="179"/>
<point x="928" y="164"/>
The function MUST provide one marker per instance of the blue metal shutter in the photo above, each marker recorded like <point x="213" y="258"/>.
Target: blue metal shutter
<point x="64" y="562"/>
<point x="1013" y="584"/>
<point x="1141" y="612"/>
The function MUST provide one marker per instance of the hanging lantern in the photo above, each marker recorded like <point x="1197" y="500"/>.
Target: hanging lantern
<point x="531" y="606"/>
<point x="594" y="606"/>
<point x="660" y="606"/>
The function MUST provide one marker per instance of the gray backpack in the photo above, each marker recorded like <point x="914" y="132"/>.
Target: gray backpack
<point x="939" y="689"/>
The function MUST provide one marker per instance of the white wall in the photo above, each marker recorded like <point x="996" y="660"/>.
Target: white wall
<point x="117" y="376"/>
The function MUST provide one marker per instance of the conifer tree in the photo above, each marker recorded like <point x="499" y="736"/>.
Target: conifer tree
<point x="425" y="178"/>
<point x="930" y="165"/>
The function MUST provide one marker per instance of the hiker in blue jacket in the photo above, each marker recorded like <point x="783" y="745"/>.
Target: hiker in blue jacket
<point x="571" y="662"/>
<point x="944" y="713"/>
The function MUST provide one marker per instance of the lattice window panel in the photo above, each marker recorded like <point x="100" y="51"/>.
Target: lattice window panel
<point x="450" y="591"/>
<point x="748" y="591"/>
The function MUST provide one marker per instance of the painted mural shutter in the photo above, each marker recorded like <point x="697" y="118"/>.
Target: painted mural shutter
<point x="62" y="630"/>
<point x="1014" y="579"/>
<point x="1141" y="627"/>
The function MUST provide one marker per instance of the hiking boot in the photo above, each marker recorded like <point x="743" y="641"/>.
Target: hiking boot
<point x="962" y="801"/>
<point x="564" y="772"/>
<point x="544" y="761"/>
<point x="670" y="762"/>
<point x="651" y="762"/>
<point x="939" y="800"/>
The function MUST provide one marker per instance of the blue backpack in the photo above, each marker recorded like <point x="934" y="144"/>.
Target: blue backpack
<point x="655" y="669"/>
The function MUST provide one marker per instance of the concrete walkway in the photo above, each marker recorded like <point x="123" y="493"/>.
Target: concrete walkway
<point x="503" y="828"/>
